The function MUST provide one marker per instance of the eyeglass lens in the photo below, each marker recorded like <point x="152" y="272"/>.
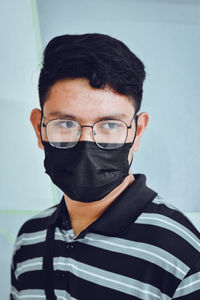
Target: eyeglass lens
<point x="108" y="134"/>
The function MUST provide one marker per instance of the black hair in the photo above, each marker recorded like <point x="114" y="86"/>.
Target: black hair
<point x="103" y="60"/>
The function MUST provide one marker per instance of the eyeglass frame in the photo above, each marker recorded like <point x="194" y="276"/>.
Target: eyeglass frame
<point x="135" y="116"/>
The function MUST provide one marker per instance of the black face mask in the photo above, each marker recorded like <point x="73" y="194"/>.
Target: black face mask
<point x="86" y="172"/>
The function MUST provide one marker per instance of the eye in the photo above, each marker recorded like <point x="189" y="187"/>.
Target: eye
<point x="110" y="125"/>
<point x="67" y="124"/>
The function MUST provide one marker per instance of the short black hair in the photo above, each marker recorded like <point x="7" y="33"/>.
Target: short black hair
<point x="103" y="60"/>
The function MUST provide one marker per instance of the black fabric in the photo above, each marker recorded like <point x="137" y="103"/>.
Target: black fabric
<point x="86" y="172"/>
<point x="125" y="209"/>
<point x="48" y="264"/>
<point x="125" y="228"/>
<point x="131" y="202"/>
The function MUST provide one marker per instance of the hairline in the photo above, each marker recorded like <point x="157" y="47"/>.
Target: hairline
<point x="130" y="98"/>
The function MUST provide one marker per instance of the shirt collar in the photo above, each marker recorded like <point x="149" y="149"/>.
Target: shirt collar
<point x="125" y="209"/>
<point x="119" y="215"/>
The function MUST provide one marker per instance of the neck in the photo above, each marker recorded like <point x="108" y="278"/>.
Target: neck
<point x="82" y="214"/>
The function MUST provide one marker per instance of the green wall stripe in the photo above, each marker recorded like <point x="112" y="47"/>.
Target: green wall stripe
<point x="7" y="235"/>
<point x="56" y="199"/>
<point x="36" y="25"/>
<point x="195" y="215"/>
<point x="18" y="212"/>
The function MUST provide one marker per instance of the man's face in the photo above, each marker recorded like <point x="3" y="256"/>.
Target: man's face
<point x="76" y="99"/>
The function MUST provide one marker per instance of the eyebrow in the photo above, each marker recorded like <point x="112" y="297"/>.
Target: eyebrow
<point x="60" y="115"/>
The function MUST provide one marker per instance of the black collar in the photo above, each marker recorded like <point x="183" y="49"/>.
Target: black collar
<point x="120" y="214"/>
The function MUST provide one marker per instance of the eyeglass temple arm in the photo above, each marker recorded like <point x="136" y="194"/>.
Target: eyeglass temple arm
<point x="42" y="121"/>
<point x="134" y="117"/>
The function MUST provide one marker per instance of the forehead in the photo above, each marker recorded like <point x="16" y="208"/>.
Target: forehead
<point x="77" y="98"/>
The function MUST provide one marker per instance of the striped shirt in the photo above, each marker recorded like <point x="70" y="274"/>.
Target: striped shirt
<point x="140" y="248"/>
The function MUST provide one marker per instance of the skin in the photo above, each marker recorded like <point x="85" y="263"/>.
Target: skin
<point x="75" y="97"/>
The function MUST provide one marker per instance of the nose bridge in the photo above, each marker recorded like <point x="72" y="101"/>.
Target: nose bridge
<point x="86" y="133"/>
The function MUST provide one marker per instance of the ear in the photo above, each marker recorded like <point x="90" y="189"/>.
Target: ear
<point x="142" y="123"/>
<point x="35" y="119"/>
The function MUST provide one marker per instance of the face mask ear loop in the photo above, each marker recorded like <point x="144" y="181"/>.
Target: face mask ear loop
<point x="41" y="124"/>
<point x="136" y="118"/>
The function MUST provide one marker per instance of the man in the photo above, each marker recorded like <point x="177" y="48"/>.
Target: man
<point x="111" y="237"/>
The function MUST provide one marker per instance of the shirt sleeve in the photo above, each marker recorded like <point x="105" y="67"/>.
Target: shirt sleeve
<point x="189" y="288"/>
<point x="14" y="289"/>
<point x="14" y="286"/>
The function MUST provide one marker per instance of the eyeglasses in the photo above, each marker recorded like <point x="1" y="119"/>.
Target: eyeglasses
<point x="108" y="134"/>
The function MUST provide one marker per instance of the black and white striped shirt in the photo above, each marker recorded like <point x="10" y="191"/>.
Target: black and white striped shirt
<point x="140" y="248"/>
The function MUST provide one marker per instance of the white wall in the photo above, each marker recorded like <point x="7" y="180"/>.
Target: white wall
<point x="23" y="186"/>
<point x="165" y="34"/>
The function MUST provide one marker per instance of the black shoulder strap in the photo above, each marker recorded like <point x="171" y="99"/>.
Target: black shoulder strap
<point x="48" y="271"/>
